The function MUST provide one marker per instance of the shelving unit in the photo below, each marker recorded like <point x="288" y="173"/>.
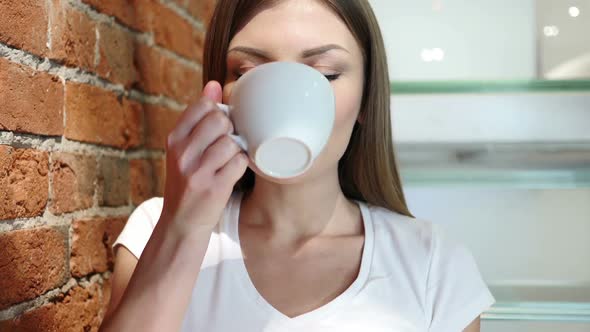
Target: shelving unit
<point x="492" y="132"/>
<point x="488" y="86"/>
<point x="496" y="165"/>
<point x="490" y="162"/>
<point x="552" y="304"/>
<point x="539" y="311"/>
<point x="517" y="179"/>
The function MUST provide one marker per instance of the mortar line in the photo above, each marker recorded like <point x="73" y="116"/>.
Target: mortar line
<point x="50" y="295"/>
<point x="64" y="220"/>
<point x="96" y="47"/>
<point x="197" y="24"/>
<point x="68" y="249"/>
<point x="63" y="106"/>
<point x="144" y="37"/>
<point x="62" y="144"/>
<point x="49" y="183"/>
<point x="193" y="65"/>
<point x="49" y="10"/>
<point x="96" y="181"/>
<point x="78" y="75"/>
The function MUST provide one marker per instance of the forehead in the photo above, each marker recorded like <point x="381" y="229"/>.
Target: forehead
<point x="293" y="25"/>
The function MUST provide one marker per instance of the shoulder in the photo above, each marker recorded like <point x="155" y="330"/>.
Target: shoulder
<point x="441" y="270"/>
<point x="148" y="211"/>
<point x="427" y="245"/>
<point x="405" y="234"/>
<point x="140" y="225"/>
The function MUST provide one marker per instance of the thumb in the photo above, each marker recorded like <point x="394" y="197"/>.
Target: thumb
<point x="213" y="91"/>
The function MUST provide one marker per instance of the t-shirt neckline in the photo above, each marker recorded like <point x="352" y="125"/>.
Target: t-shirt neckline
<point x="232" y="223"/>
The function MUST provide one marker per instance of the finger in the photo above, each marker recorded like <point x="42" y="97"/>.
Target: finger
<point x="213" y="91"/>
<point x="208" y="130"/>
<point x="219" y="153"/>
<point x="231" y="172"/>
<point x="195" y="112"/>
<point x="189" y="118"/>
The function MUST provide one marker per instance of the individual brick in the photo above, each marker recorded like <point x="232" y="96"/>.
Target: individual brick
<point x="202" y="9"/>
<point x="32" y="102"/>
<point x="32" y="262"/>
<point x="80" y="309"/>
<point x="175" y="33"/>
<point x="159" y="122"/>
<point x="23" y="25"/>
<point x="160" y="74"/>
<point x="73" y="179"/>
<point x="141" y="180"/>
<point x="181" y="82"/>
<point x="73" y="36"/>
<point x="147" y="179"/>
<point x="113" y="181"/>
<point x="136" y="14"/>
<point x="116" y="49"/>
<point x="91" y="244"/>
<point x="182" y="3"/>
<point x="159" y="167"/>
<point x="149" y="63"/>
<point x="99" y="116"/>
<point x="24" y="184"/>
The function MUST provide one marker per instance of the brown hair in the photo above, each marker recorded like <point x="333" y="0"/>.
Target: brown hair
<point x="368" y="168"/>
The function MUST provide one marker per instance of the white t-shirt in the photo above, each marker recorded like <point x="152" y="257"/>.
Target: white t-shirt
<point x="411" y="278"/>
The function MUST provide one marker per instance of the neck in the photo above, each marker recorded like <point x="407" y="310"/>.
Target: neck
<point x="301" y="210"/>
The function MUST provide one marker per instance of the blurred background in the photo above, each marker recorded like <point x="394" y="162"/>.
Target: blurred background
<point x="491" y="119"/>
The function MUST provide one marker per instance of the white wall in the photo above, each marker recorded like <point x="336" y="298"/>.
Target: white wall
<point x="518" y="237"/>
<point x="482" y="39"/>
<point x="571" y="45"/>
<point x="558" y="117"/>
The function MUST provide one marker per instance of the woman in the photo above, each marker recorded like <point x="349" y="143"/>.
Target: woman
<point x="335" y="249"/>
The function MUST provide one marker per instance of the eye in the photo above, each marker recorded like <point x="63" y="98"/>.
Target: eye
<point x="332" y="77"/>
<point x="239" y="72"/>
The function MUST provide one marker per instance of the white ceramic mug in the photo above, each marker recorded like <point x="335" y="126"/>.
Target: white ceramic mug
<point x="283" y="115"/>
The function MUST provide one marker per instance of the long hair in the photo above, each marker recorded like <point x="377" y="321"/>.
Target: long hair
<point x="368" y="169"/>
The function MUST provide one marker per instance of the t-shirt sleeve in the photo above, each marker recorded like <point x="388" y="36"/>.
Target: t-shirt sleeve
<point x="140" y="225"/>
<point x="456" y="292"/>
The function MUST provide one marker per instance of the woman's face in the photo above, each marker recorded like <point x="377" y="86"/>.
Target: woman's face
<point x="284" y="32"/>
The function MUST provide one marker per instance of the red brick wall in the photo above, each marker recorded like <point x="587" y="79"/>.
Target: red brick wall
<point x="88" y="92"/>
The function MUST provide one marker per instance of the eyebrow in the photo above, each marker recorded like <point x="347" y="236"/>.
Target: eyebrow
<point x="322" y="49"/>
<point x="305" y="54"/>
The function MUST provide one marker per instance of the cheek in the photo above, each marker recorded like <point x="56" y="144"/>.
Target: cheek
<point x="227" y="91"/>
<point x="348" y="103"/>
<point x="348" y="95"/>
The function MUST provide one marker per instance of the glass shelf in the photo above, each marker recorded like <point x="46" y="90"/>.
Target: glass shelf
<point x="523" y="209"/>
<point x="488" y="86"/>
<point x="500" y="165"/>
<point x="479" y="178"/>
<point x="539" y="311"/>
<point x="526" y="303"/>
